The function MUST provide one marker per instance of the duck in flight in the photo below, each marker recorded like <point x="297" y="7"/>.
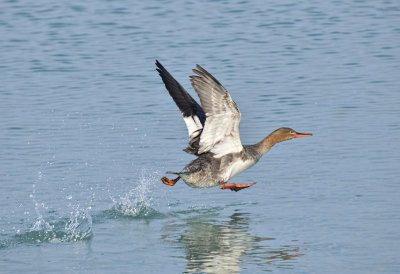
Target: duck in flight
<point x="214" y="135"/>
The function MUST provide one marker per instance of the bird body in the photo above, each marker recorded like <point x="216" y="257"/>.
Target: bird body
<point x="213" y="130"/>
<point x="208" y="170"/>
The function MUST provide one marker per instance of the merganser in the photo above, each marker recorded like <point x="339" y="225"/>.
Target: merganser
<point x="214" y="135"/>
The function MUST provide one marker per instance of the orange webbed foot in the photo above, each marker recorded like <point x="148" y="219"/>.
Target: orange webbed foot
<point x="236" y="187"/>
<point x="169" y="182"/>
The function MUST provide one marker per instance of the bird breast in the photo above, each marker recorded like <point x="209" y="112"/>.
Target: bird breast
<point x="238" y="166"/>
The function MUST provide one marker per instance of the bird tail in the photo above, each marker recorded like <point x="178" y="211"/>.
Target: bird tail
<point x="172" y="172"/>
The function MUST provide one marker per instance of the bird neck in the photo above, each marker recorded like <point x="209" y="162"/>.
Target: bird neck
<point x="267" y="143"/>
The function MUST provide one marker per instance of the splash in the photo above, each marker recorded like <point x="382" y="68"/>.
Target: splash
<point x="138" y="202"/>
<point x="40" y="223"/>
<point x="77" y="227"/>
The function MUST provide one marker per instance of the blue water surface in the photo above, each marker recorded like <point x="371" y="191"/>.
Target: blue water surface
<point x="87" y="130"/>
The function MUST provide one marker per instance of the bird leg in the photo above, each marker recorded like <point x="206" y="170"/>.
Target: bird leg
<point x="236" y="187"/>
<point x="169" y="182"/>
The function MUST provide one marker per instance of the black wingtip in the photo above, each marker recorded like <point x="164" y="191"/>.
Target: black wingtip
<point x="160" y="67"/>
<point x="185" y="102"/>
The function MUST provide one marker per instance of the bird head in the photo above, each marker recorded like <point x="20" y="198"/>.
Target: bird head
<point x="285" y="133"/>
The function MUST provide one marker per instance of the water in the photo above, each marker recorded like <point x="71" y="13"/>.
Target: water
<point x="87" y="129"/>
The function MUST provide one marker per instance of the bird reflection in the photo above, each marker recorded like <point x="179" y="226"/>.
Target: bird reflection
<point x="212" y="246"/>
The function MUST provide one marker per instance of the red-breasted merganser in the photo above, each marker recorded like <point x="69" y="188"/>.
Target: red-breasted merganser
<point x="214" y="136"/>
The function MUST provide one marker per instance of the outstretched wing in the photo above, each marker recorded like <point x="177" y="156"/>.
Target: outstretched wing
<point x="221" y="130"/>
<point x="192" y="113"/>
